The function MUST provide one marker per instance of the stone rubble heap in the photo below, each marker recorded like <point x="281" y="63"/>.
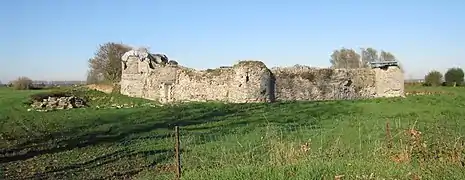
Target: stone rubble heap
<point x="52" y="103"/>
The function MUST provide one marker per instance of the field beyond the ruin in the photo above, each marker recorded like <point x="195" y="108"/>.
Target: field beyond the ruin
<point x="417" y="137"/>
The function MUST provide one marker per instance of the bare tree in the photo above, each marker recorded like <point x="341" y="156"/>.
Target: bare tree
<point x="22" y="83"/>
<point x="345" y="58"/>
<point x="386" y="56"/>
<point x="93" y="77"/>
<point x="105" y="66"/>
<point x="369" y="55"/>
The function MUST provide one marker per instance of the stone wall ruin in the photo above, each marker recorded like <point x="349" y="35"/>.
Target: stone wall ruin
<point x="252" y="81"/>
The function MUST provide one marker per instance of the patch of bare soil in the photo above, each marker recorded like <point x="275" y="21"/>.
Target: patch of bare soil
<point x="101" y="87"/>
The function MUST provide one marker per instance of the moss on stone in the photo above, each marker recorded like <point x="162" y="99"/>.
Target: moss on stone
<point x="214" y="72"/>
<point x="285" y="74"/>
<point x="327" y="74"/>
<point x="189" y="72"/>
<point x="310" y="76"/>
<point x="250" y="63"/>
<point x="205" y="74"/>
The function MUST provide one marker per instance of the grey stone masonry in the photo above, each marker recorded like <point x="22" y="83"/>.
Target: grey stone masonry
<point x="253" y="81"/>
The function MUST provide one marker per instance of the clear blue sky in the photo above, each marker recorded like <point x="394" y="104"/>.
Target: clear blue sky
<point x="53" y="39"/>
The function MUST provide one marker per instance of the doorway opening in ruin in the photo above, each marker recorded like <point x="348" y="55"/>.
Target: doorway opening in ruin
<point x="166" y="91"/>
<point x="247" y="77"/>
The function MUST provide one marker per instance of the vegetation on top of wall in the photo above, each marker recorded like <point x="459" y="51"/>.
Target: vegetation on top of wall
<point x="214" y="72"/>
<point x="190" y="72"/>
<point x="286" y="74"/>
<point x="209" y="73"/>
<point x="250" y="63"/>
<point x="310" y="76"/>
<point x="187" y="70"/>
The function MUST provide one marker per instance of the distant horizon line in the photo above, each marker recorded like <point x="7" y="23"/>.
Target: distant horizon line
<point x="51" y="81"/>
<point x="84" y="81"/>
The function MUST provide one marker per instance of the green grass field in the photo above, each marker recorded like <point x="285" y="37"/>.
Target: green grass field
<point x="366" y="139"/>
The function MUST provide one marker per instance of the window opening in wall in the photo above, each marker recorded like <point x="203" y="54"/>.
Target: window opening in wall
<point x="247" y="77"/>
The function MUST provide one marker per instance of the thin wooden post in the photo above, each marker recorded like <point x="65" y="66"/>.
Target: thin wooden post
<point x="177" y="153"/>
<point x="388" y="135"/>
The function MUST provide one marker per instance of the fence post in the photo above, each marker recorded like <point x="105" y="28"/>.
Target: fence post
<point x="177" y="153"/>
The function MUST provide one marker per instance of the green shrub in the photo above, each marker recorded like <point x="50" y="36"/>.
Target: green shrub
<point x="454" y="77"/>
<point x="433" y="78"/>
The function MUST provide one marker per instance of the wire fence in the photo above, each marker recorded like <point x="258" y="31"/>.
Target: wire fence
<point x="272" y="144"/>
<point x="255" y="142"/>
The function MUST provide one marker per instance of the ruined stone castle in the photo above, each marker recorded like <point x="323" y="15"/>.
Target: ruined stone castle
<point x="152" y="77"/>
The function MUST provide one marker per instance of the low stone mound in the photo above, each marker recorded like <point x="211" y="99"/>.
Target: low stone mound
<point x="57" y="102"/>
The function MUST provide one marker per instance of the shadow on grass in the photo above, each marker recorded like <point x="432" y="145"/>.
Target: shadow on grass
<point x="139" y="124"/>
<point x="118" y="130"/>
<point x="288" y="117"/>
<point x="63" y="172"/>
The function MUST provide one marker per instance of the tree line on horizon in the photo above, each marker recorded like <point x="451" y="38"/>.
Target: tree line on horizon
<point x="453" y="77"/>
<point x="350" y="59"/>
<point x="105" y="66"/>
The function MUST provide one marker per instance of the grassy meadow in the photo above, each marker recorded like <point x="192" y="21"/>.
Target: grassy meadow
<point x="417" y="137"/>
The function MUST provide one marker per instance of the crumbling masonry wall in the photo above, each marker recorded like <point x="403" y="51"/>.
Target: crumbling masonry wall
<point x="252" y="81"/>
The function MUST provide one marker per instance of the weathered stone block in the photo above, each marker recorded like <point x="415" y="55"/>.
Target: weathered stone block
<point x="252" y="81"/>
